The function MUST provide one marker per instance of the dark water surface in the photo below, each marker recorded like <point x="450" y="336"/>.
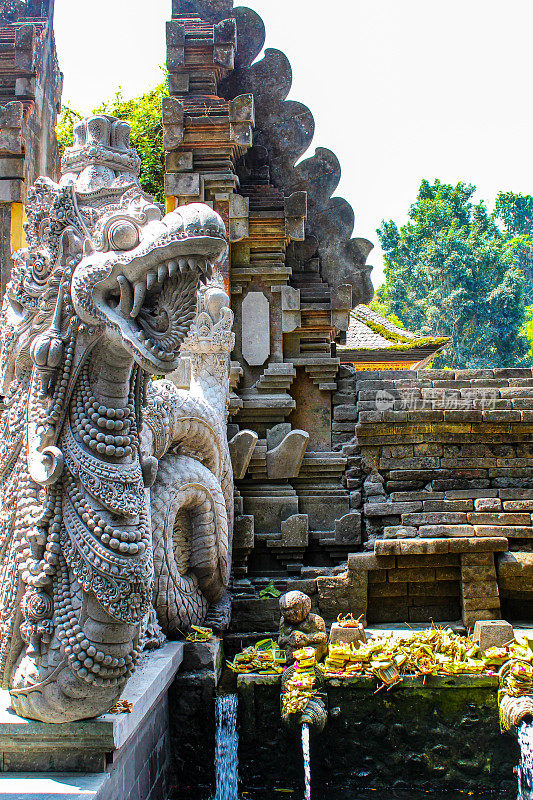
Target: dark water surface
<point x="322" y="793"/>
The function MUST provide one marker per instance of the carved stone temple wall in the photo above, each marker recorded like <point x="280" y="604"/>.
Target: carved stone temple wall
<point x="294" y="273"/>
<point x="380" y="515"/>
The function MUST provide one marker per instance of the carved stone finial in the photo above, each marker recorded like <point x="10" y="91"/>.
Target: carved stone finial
<point x="210" y="10"/>
<point x="100" y="156"/>
<point x="12" y="10"/>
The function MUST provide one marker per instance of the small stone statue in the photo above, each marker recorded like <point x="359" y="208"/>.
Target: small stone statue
<point x="299" y="627"/>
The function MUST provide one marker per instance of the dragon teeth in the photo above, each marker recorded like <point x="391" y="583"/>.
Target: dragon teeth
<point x="162" y="272"/>
<point x="139" y="293"/>
<point x="126" y="296"/>
<point x="172" y="268"/>
<point x="151" y="280"/>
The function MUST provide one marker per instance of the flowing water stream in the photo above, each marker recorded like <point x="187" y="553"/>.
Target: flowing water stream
<point x="525" y="767"/>
<point x="227" y="740"/>
<point x="307" y="761"/>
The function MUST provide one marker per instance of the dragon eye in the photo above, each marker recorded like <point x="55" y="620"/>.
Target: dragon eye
<point x="123" y="235"/>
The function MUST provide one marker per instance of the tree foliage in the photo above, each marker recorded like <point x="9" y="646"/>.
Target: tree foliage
<point x="144" y="115"/>
<point x="515" y="211"/>
<point x="451" y="271"/>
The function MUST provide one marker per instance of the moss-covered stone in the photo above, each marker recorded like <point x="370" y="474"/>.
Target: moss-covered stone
<point x="444" y="735"/>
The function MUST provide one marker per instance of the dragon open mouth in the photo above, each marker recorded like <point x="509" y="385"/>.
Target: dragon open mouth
<point x="157" y="310"/>
<point x="150" y="293"/>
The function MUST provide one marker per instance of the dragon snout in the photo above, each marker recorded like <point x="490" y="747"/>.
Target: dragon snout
<point x="149" y="291"/>
<point x="196" y="219"/>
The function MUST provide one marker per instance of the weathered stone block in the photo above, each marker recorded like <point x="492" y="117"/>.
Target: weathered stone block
<point x="368" y="561"/>
<point x="399" y="532"/>
<point x="435" y="589"/>
<point x="446" y="530"/>
<point x="480" y="589"/>
<point x="492" y="633"/>
<point x="203" y="655"/>
<point x="480" y="573"/>
<point x="348" y="528"/>
<point x="255" y="615"/>
<point x="340" y="634"/>
<point x="475" y="518"/>
<point x="412" y="574"/>
<point x="436" y="518"/>
<point x="295" y="531"/>
<point x="481" y="603"/>
<point x="492" y="544"/>
<point x="470" y="617"/>
<point x="343" y="594"/>
<point x="510" y="531"/>
<point x="518" y="505"/>
<point x="477" y="560"/>
<point x="255" y="328"/>
<point x="395" y="589"/>
<point x="447" y="573"/>
<point x="356" y="499"/>
<point x="344" y="413"/>
<point x="488" y="504"/>
<point x="448" y="505"/>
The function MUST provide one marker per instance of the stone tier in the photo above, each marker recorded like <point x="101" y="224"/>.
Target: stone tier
<point x="118" y="756"/>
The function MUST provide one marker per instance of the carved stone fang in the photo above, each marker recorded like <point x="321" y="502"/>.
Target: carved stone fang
<point x="139" y="295"/>
<point x="126" y="296"/>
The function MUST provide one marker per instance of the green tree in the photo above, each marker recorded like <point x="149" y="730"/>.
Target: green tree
<point x="144" y="115"/>
<point x="450" y="271"/>
<point x="515" y="211"/>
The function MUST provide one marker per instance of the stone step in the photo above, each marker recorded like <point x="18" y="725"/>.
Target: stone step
<point x="54" y="786"/>
<point x="394" y="547"/>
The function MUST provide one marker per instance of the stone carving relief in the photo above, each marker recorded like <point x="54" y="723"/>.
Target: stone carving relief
<point x="103" y="470"/>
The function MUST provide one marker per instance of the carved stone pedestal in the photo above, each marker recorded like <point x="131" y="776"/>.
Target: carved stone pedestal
<point x="117" y="756"/>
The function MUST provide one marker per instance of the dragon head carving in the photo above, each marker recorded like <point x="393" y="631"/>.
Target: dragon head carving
<point x="125" y="271"/>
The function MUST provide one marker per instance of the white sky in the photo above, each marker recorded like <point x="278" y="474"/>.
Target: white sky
<point x="400" y="89"/>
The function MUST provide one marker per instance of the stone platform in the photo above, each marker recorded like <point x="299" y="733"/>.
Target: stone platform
<point x="112" y="757"/>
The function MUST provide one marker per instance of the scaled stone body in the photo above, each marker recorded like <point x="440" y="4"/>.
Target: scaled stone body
<point x="102" y="298"/>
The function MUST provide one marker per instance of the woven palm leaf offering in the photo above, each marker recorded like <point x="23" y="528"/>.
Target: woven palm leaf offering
<point x="436" y="651"/>
<point x="300" y="688"/>
<point x="264" y="658"/>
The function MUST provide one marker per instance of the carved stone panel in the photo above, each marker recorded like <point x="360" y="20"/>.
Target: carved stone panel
<point x="255" y="328"/>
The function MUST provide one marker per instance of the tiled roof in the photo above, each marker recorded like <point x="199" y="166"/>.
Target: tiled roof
<point x="370" y="331"/>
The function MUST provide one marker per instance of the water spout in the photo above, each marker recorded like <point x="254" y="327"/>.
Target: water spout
<point x="227" y="740"/>
<point x="525" y="767"/>
<point x="307" y="760"/>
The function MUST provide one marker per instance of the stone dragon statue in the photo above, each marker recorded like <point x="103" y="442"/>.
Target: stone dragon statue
<point x="105" y="472"/>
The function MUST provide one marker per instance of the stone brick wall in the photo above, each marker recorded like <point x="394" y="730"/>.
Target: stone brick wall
<point x="448" y="455"/>
<point x="439" y="476"/>
<point x="142" y="770"/>
<point x="444" y="734"/>
<point x="416" y="588"/>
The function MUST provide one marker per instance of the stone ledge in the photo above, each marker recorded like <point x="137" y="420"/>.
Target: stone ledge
<point x="53" y="786"/>
<point x="88" y="741"/>
<point x="467" y="544"/>
<point x="465" y="681"/>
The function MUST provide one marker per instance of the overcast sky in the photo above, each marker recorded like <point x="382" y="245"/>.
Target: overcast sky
<point x="400" y="89"/>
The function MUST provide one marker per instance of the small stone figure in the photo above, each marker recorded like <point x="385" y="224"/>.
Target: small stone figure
<point x="299" y="627"/>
